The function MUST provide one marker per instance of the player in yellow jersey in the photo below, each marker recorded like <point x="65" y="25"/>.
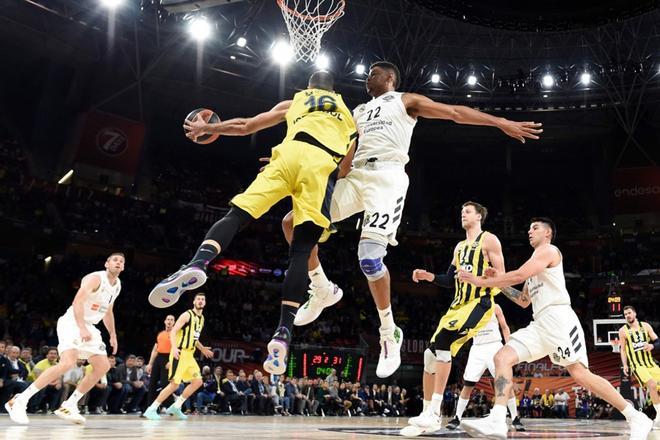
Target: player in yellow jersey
<point x="184" y="339"/>
<point x="320" y="130"/>
<point x="470" y="310"/>
<point x="637" y="342"/>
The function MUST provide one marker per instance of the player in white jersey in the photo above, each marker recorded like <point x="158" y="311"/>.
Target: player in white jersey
<point x="555" y="331"/>
<point x="377" y="184"/>
<point x="80" y="339"/>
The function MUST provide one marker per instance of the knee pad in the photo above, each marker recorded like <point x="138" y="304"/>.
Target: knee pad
<point x="429" y="361"/>
<point x="443" y="355"/>
<point x="371" y="254"/>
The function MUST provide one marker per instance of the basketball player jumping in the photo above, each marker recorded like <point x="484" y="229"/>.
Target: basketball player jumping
<point x="377" y="184"/>
<point x="79" y="338"/>
<point x="320" y="130"/>
<point x="471" y="309"/>
<point x="637" y="342"/>
<point x="555" y="331"/>
<point x="184" y="339"/>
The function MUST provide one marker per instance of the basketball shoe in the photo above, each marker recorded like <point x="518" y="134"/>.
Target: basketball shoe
<point x="389" y="359"/>
<point x="319" y="299"/>
<point x="453" y="423"/>
<point x="167" y="292"/>
<point x="70" y="413"/>
<point x="426" y="419"/>
<point x="176" y="412"/>
<point x="151" y="414"/>
<point x="278" y="349"/>
<point x="17" y="411"/>
<point x="416" y="431"/>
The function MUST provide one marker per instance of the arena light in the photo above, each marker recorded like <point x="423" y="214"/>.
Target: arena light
<point x="585" y="78"/>
<point x="241" y="42"/>
<point x="199" y="28"/>
<point x="282" y="52"/>
<point x="65" y="177"/>
<point x="48" y="259"/>
<point x="111" y="4"/>
<point x="322" y="61"/>
<point x="435" y="78"/>
<point x="360" y="69"/>
<point x="548" y="81"/>
<point x="469" y="96"/>
<point x="472" y="80"/>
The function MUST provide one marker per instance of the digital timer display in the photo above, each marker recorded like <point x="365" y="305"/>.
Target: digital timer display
<point x="319" y="363"/>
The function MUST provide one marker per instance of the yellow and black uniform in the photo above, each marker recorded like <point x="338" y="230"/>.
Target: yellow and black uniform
<point x="320" y="129"/>
<point x="472" y="306"/>
<point x="185" y="368"/>
<point x="640" y="362"/>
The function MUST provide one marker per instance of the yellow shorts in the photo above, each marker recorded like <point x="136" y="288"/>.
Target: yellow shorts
<point x="645" y="374"/>
<point x="461" y="324"/>
<point x="184" y="369"/>
<point x="297" y="169"/>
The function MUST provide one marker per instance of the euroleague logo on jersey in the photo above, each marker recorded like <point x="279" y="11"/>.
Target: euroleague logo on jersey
<point x="112" y="141"/>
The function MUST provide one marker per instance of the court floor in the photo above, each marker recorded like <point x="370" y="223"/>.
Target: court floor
<point x="289" y="428"/>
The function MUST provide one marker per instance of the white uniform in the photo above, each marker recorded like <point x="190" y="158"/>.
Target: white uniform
<point x="377" y="183"/>
<point x="482" y="353"/>
<point x="95" y="307"/>
<point x="556" y="330"/>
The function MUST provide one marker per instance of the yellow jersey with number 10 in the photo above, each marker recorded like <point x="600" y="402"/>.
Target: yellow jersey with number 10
<point x="324" y="116"/>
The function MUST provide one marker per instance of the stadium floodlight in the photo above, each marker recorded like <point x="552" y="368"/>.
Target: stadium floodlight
<point x="322" y="61"/>
<point x="585" y="78"/>
<point x="282" y="52"/>
<point x="199" y="28"/>
<point x="111" y="4"/>
<point x="548" y="80"/>
<point x="241" y="42"/>
<point x="435" y="78"/>
<point x="472" y="80"/>
<point x="360" y="69"/>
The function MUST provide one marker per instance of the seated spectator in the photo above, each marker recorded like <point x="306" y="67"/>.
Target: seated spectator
<point x="130" y="375"/>
<point x="48" y="398"/>
<point x="235" y="398"/>
<point x="402" y="407"/>
<point x="26" y="360"/>
<point x="263" y="404"/>
<point x="207" y="393"/>
<point x="548" y="403"/>
<point x="367" y="396"/>
<point x="71" y="379"/>
<point x="13" y="374"/>
<point x="561" y="404"/>
<point x="97" y="397"/>
<point x="526" y="406"/>
<point x="305" y="404"/>
<point x="244" y="387"/>
<point x="344" y="396"/>
<point x="537" y="409"/>
<point x="117" y="393"/>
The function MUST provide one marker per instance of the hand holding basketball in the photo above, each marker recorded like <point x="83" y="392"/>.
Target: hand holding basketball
<point x="196" y="126"/>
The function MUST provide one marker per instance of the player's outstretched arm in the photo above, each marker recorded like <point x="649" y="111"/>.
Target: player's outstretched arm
<point x="541" y="259"/>
<point x="421" y="106"/>
<point x="239" y="126"/>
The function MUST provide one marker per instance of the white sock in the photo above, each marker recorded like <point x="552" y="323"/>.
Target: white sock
<point x="498" y="412"/>
<point x="386" y="318"/>
<point x="436" y="403"/>
<point x="460" y="407"/>
<point x="425" y="404"/>
<point x="74" y="398"/>
<point x="178" y="403"/>
<point x="511" y="404"/>
<point x="155" y="405"/>
<point x="318" y="278"/>
<point x="25" y="396"/>
<point x="629" y="412"/>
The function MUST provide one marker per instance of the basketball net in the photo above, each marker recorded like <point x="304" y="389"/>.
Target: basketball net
<point x="616" y="345"/>
<point x="307" y="21"/>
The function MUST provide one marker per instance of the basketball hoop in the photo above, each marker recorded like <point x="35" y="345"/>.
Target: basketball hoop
<point x="616" y="345"/>
<point x="307" y="21"/>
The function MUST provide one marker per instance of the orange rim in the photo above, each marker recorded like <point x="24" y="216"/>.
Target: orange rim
<point x="335" y="15"/>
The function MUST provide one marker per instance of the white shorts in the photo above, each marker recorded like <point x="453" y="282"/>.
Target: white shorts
<point x="68" y="336"/>
<point x="481" y="357"/>
<point x="378" y="189"/>
<point x="557" y="333"/>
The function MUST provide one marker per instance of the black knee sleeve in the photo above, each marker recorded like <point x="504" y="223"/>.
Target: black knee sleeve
<point x="469" y="383"/>
<point x="223" y="230"/>
<point x="305" y="237"/>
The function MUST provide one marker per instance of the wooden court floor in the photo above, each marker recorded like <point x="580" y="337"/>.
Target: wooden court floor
<point x="289" y="428"/>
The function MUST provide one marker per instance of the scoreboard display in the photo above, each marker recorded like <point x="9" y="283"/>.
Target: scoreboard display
<point x="319" y="362"/>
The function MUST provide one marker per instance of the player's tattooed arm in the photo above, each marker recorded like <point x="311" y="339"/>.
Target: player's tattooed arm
<point x="520" y="297"/>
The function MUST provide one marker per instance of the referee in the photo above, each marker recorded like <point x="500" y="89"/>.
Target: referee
<point x="157" y="366"/>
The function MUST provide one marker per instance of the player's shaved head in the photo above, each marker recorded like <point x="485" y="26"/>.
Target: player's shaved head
<point x="322" y="80"/>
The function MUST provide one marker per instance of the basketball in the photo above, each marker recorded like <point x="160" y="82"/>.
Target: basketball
<point x="208" y="116"/>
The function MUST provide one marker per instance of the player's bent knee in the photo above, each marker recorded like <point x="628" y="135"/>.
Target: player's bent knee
<point x="287" y="223"/>
<point x="371" y="253"/>
<point x="443" y="356"/>
<point x="429" y="361"/>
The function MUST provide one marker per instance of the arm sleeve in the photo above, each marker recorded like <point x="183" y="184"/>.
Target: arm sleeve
<point x="446" y="279"/>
